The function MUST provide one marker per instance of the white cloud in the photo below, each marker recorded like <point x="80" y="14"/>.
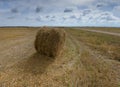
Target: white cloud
<point x="116" y="11"/>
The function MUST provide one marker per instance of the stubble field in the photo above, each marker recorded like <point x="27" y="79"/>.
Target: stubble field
<point x="89" y="59"/>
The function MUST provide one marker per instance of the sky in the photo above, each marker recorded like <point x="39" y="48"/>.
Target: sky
<point x="105" y="13"/>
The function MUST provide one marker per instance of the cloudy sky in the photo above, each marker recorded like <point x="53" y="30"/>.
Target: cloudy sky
<point x="60" y="13"/>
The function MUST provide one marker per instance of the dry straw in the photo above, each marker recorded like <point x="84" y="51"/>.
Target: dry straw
<point x="50" y="41"/>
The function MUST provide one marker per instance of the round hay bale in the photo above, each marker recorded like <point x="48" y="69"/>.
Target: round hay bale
<point x="50" y="41"/>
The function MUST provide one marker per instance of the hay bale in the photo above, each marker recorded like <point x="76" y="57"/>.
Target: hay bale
<point x="50" y="41"/>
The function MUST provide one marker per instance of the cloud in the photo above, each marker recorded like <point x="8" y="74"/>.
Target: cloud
<point x="11" y="17"/>
<point x="2" y="11"/>
<point x="116" y="11"/>
<point x="14" y="10"/>
<point x="80" y="2"/>
<point x="73" y="17"/>
<point x="63" y="18"/>
<point x="102" y="17"/>
<point x="110" y="1"/>
<point x="38" y="19"/>
<point x="38" y="9"/>
<point x="108" y="17"/>
<point x="101" y="5"/>
<point x="68" y="10"/>
<point x="86" y="12"/>
<point x="47" y="16"/>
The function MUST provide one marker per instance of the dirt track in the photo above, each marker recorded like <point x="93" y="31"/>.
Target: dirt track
<point x="104" y="32"/>
<point x="21" y="66"/>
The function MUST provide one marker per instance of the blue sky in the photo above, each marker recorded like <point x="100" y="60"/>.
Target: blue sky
<point x="60" y="13"/>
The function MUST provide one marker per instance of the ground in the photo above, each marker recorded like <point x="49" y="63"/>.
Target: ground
<point x="89" y="59"/>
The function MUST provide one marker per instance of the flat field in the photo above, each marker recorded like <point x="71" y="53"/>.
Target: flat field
<point x="89" y="59"/>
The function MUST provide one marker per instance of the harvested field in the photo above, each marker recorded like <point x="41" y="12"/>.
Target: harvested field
<point x="106" y="44"/>
<point x="79" y="65"/>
